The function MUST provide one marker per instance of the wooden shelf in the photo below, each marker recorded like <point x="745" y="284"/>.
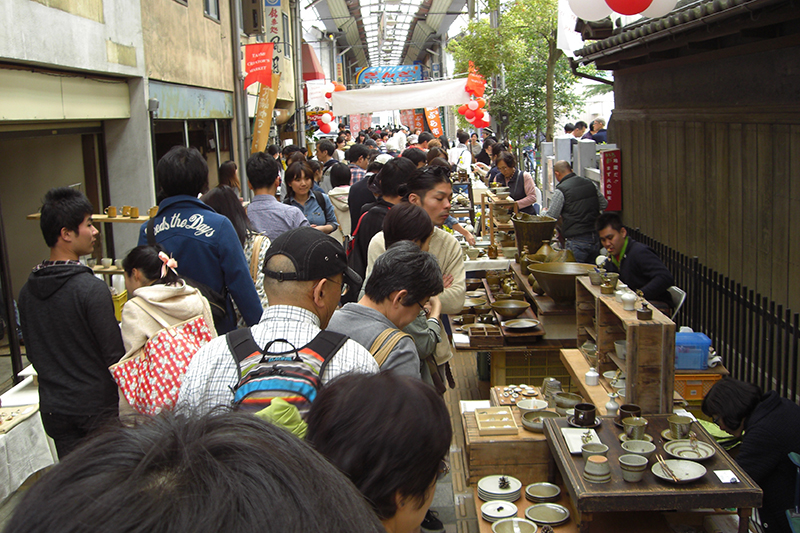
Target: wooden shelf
<point x="650" y="360"/>
<point x="104" y="218"/>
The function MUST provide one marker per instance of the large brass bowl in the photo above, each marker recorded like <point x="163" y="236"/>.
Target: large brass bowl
<point x="558" y="279"/>
<point x="510" y="308"/>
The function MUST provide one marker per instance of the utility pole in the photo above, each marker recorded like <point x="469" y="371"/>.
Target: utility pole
<point x="299" y="102"/>
<point x="239" y="97"/>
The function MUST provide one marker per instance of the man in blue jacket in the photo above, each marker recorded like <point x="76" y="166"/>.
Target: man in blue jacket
<point x="203" y="241"/>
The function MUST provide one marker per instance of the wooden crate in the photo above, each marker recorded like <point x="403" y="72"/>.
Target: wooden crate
<point x="495" y="421"/>
<point x="525" y="455"/>
<point x="487" y="336"/>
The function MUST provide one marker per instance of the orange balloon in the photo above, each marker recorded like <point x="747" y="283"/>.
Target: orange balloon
<point x="481" y="103"/>
<point x="339" y="87"/>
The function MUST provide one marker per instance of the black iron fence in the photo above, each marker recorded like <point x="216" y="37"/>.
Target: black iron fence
<point x="757" y="339"/>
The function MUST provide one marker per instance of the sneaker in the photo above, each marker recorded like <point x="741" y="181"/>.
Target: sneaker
<point x="432" y="522"/>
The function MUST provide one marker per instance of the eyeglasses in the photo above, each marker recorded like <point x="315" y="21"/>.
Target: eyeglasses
<point x="345" y="286"/>
<point x="443" y="470"/>
<point x="716" y="419"/>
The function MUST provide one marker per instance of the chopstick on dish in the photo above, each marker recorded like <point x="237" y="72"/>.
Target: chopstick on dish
<point x="666" y="469"/>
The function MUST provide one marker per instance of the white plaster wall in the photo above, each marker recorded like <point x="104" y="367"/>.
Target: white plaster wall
<point x="130" y="164"/>
<point x="43" y="35"/>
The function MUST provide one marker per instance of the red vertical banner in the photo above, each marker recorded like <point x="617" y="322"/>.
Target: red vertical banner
<point x="407" y="118"/>
<point x="355" y="124"/>
<point x="366" y="121"/>
<point x="611" y="178"/>
<point x="419" y="120"/>
<point x="434" y="121"/>
<point x="258" y="64"/>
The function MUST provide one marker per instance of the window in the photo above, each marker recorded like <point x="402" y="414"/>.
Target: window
<point x="286" y="36"/>
<point x="211" y="8"/>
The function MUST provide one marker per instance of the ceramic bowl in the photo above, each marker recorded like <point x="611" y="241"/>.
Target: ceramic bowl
<point x="473" y="253"/>
<point x="622" y="349"/>
<point x="531" y="406"/>
<point x="509" y="252"/>
<point x="474" y="302"/>
<point x="567" y="400"/>
<point x="619" y="384"/>
<point x="502" y="195"/>
<point x="558" y="279"/>
<point x="609" y="375"/>
<point x="597" y="469"/>
<point x="596" y="277"/>
<point x="593" y="448"/>
<point x="474" y="283"/>
<point x="611" y="277"/>
<point x="510" y="308"/>
<point x="639" y="447"/>
<point x="503" y="218"/>
<point x="534" y="421"/>
<point x="514" y="525"/>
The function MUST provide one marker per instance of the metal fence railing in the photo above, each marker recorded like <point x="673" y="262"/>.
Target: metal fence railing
<point x="758" y="340"/>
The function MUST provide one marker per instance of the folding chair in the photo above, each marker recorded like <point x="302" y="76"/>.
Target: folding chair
<point x="678" y="296"/>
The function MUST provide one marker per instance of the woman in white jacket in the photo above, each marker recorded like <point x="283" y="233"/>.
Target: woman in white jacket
<point x="150" y="275"/>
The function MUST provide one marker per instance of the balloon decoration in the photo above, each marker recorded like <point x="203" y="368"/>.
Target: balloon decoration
<point x="590" y="9"/>
<point x="326" y="118"/>
<point x="325" y="128"/>
<point x="659" y="8"/>
<point x="593" y="10"/>
<point x="474" y="113"/>
<point x="628" y="7"/>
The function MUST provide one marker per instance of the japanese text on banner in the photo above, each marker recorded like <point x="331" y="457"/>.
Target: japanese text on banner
<point x="434" y="121"/>
<point x="611" y="178"/>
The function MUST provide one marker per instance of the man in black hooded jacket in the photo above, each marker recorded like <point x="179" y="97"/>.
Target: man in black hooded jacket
<point x="68" y="322"/>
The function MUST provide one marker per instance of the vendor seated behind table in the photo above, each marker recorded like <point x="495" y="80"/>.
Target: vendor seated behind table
<point x="637" y="264"/>
<point x="768" y="426"/>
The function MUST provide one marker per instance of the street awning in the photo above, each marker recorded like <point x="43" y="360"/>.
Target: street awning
<point x="312" y="70"/>
<point x="409" y="96"/>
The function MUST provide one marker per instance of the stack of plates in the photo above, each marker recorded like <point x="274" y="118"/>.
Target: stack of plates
<point x="498" y="510"/>
<point x="547" y="514"/>
<point x="542" y="492"/>
<point x="489" y="489"/>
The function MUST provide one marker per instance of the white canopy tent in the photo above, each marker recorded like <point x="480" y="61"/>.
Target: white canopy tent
<point x="408" y="96"/>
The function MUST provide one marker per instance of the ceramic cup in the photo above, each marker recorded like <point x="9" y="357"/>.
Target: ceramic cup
<point x="126" y="210"/>
<point x="635" y="427"/>
<point x="472" y="253"/>
<point x="628" y="409"/>
<point x="118" y="263"/>
<point x="679" y="426"/>
<point x="153" y="211"/>
<point x="111" y="211"/>
<point x="91" y="262"/>
<point x="593" y="448"/>
<point x="639" y="447"/>
<point x="134" y="212"/>
<point x="633" y="467"/>
<point x="597" y="469"/>
<point x="585" y="414"/>
<point x="106" y="262"/>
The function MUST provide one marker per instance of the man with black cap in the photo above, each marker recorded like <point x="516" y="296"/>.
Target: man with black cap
<point x="305" y="274"/>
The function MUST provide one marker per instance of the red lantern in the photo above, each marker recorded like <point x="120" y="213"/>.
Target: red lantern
<point x="629" y="7"/>
<point x="325" y="128"/>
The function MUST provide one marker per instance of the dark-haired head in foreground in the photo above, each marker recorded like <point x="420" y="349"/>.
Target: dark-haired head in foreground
<point x="224" y="472"/>
<point x="390" y="435"/>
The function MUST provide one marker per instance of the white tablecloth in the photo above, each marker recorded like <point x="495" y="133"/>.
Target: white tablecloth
<point x="25" y="449"/>
<point x="487" y="264"/>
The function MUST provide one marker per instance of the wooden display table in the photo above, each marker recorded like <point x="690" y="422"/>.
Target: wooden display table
<point x="525" y="455"/>
<point x="650" y="361"/>
<point x="651" y="493"/>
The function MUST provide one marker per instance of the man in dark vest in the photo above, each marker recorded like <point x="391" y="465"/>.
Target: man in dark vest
<point x="578" y="202"/>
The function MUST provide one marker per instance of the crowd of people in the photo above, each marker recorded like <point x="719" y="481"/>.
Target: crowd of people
<point x="324" y="296"/>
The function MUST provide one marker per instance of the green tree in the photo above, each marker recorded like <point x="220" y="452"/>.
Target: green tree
<point x="538" y="80"/>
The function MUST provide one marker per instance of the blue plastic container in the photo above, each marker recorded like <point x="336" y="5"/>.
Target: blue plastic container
<point x="691" y="351"/>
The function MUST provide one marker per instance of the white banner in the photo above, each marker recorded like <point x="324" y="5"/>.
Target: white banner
<point x="409" y="96"/>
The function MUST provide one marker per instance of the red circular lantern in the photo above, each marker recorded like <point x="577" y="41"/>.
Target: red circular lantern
<point x="629" y="7"/>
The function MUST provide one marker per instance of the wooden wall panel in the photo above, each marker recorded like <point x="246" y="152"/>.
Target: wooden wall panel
<point x="794" y="218"/>
<point x="750" y="234"/>
<point x="736" y="203"/>
<point x="675" y="178"/>
<point x="764" y="204"/>
<point x="780" y="211"/>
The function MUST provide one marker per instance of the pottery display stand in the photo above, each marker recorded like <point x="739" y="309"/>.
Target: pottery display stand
<point x="488" y="204"/>
<point x="650" y="361"/>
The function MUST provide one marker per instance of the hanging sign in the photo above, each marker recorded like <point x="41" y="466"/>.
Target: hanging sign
<point x="434" y="121"/>
<point x="258" y="64"/>
<point x="475" y="82"/>
<point x="263" y="120"/>
<point x="394" y="74"/>
<point x="419" y="119"/>
<point x="611" y="178"/>
<point x="407" y="118"/>
<point x="355" y="124"/>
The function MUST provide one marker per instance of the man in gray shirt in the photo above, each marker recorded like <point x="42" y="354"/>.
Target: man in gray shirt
<point x="402" y="281"/>
<point x="266" y="213"/>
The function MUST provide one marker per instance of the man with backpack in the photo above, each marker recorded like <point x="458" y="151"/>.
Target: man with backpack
<point x="403" y="279"/>
<point x="305" y="274"/>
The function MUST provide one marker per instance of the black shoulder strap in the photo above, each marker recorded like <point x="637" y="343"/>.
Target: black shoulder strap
<point x="326" y="344"/>
<point x="151" y="234"/>
<point x="242" y="345"/>
<point x="320" y="199"/>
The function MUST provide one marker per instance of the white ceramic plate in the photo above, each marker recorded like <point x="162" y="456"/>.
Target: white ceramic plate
<point x="685" y="471"/>
<point x="521" y="323"/>
<point x="514" y="525"/>
<point x="497" y="510"/>
<point x="683" y="449"/>
<point x="491" y="485"/>
<point x="574" y="438"/>
<point x="542" y="492"/>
